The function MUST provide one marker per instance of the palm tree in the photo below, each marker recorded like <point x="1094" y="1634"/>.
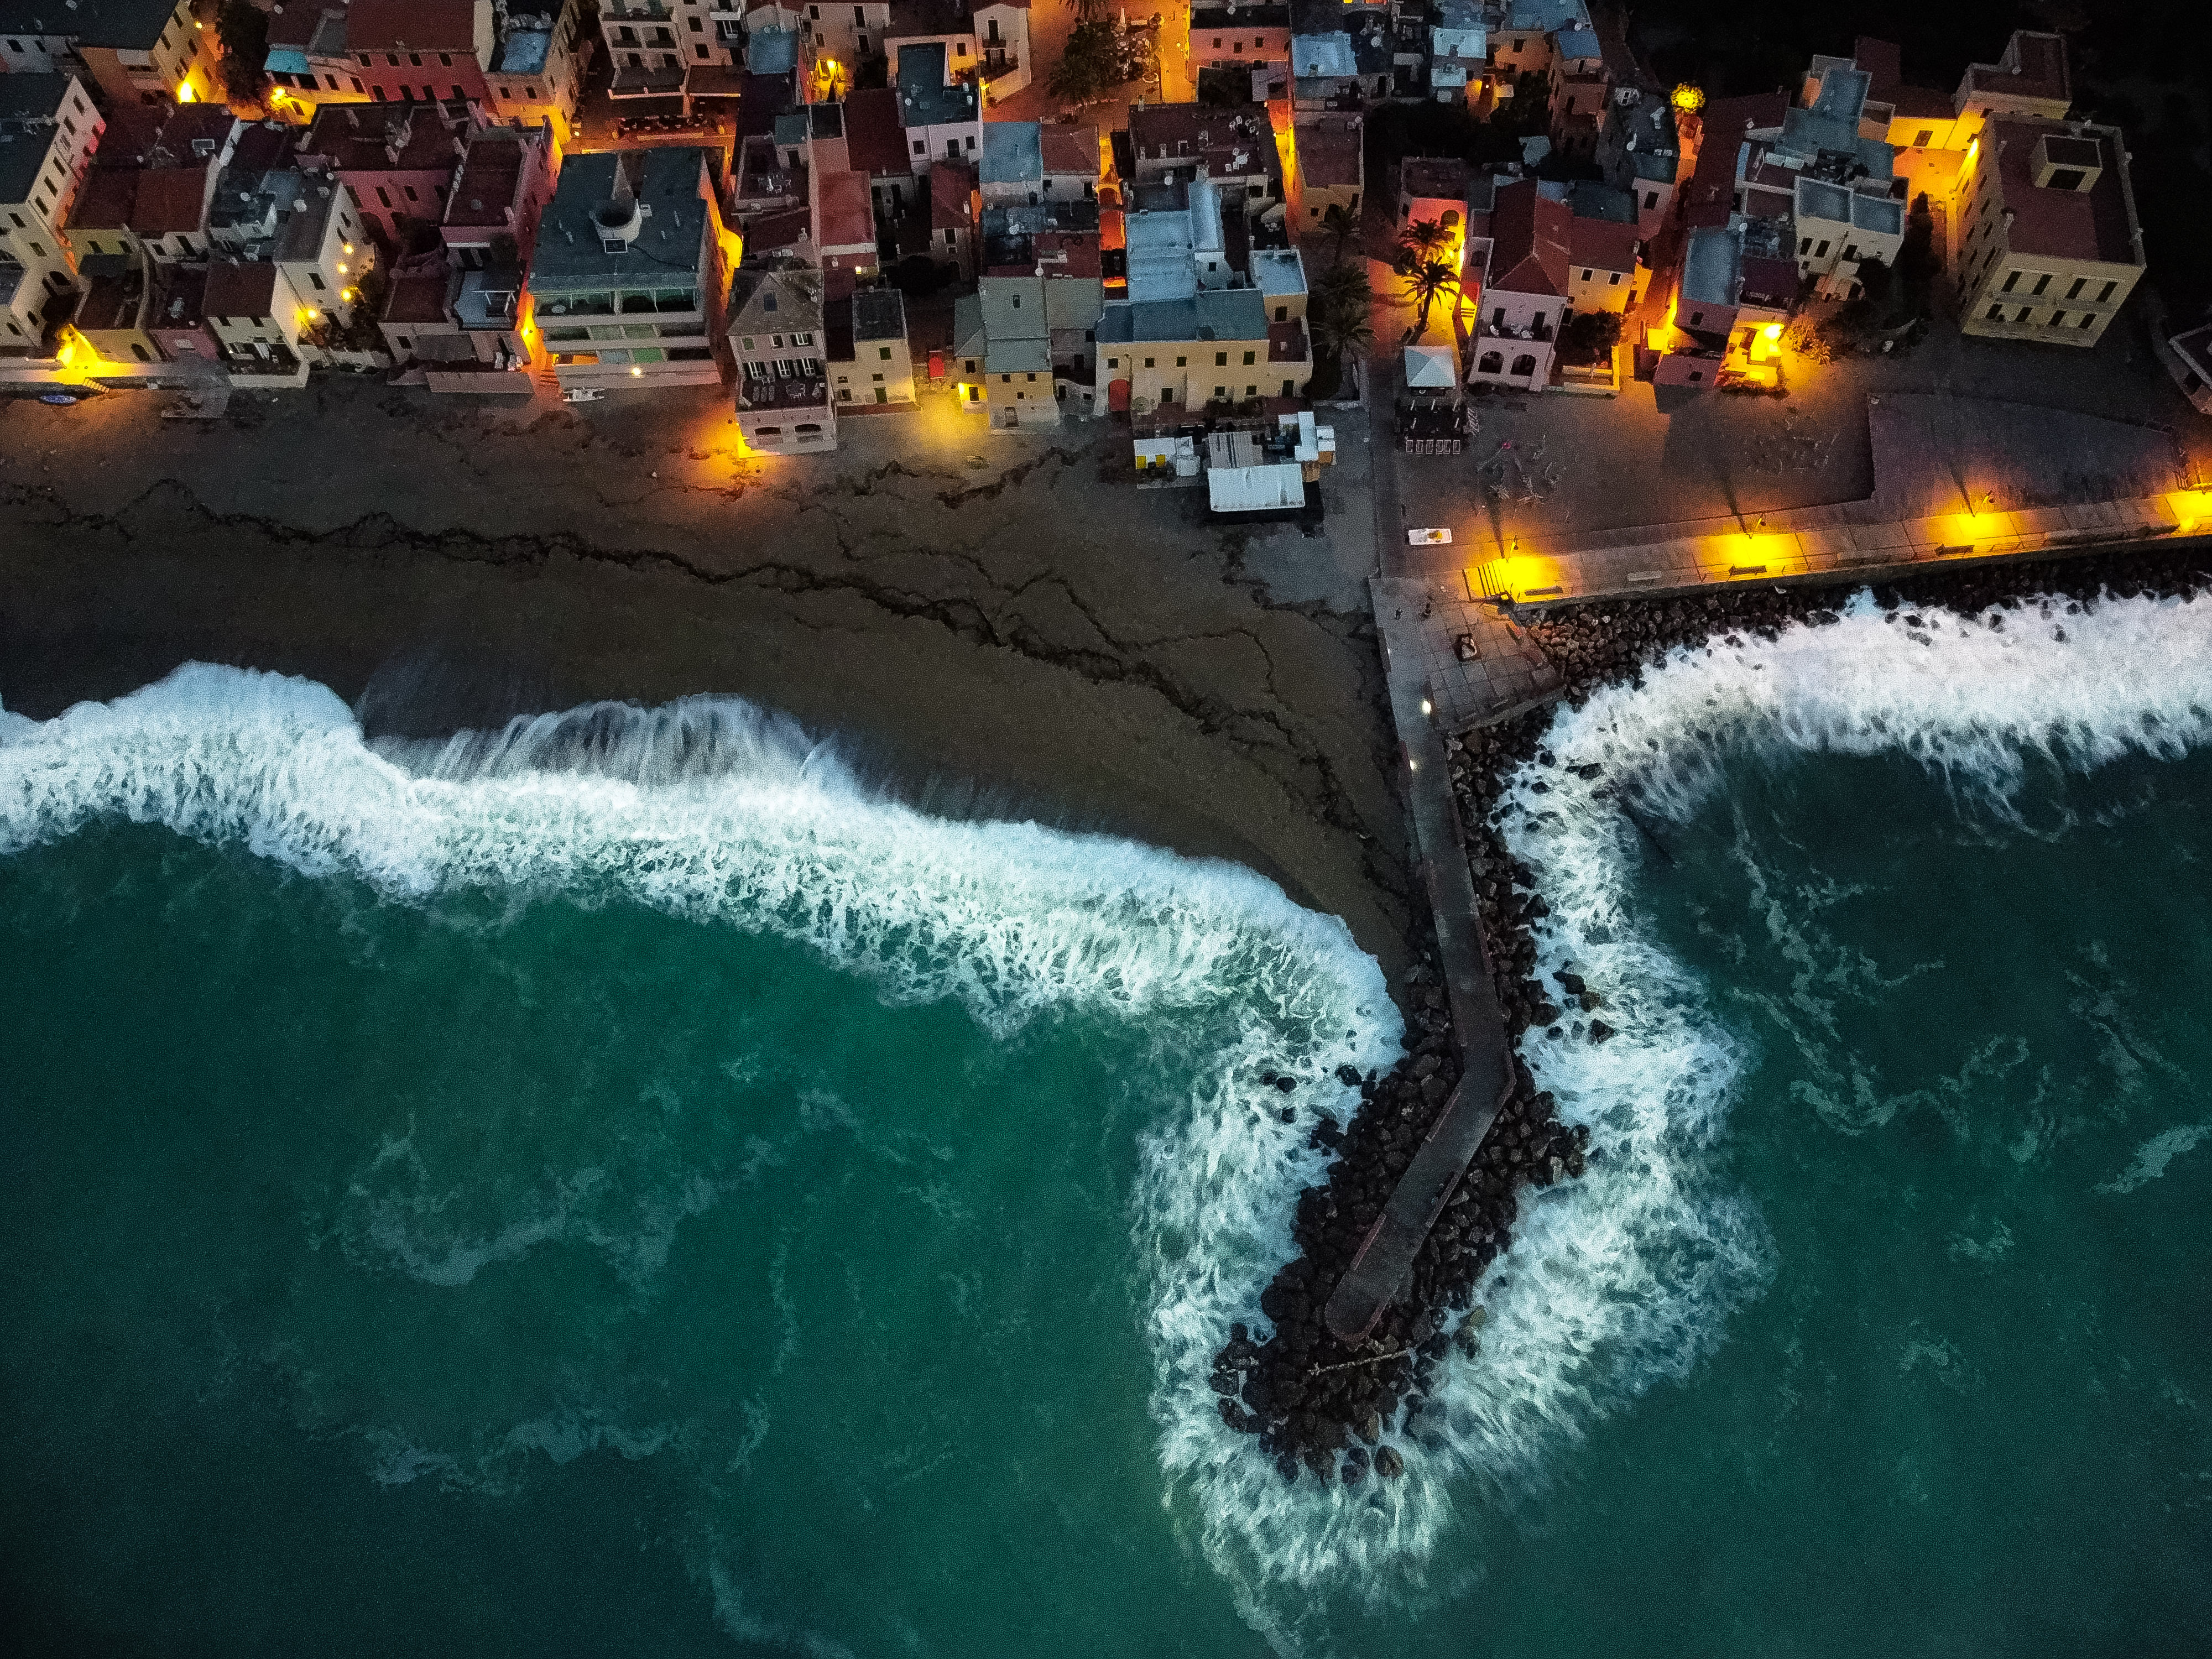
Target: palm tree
<point x="1342" y="289"/>
<point x="1339" y="318"/>
<point x="1339" y="222"/>
<point x="1423" y="240"/>
<point x="1425" y="284"/>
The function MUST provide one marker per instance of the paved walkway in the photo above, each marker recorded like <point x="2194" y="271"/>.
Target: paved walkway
<point x="1476" y="664"/>
<point x="1378" y="1270"/>
<point x="1953" y="479"/>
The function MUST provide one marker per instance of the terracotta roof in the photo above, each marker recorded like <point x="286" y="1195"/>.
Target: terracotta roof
<point x="240" y="289"/>
<point x="770" y="232"/>
<point x="874" y="140"/>
<point x="1072" y="149"/>
<point x="1601" y="245"/>
<point x="1060" y="254"/>
<point x="951" y="197"/>
<point x="846" y="217"/>
<point x="420" y="25"/>
<point x="169" y="200"/>
<point x="1528" y="241"/>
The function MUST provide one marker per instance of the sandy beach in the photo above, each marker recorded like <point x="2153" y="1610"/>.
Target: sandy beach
<point x="987" y="623"/>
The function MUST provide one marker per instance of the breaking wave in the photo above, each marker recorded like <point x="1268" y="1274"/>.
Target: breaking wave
<point x="712" y="810"/>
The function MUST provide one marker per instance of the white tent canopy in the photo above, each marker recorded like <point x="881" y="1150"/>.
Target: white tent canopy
<point x="1431" y="368"/>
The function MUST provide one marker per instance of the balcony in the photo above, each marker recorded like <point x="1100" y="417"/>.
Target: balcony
<point x="651" y="11"/>
<point x="782" y="395"/>
<point x="636" y="82"/>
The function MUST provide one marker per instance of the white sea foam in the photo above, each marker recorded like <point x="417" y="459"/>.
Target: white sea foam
<point x="1626" y="1276"/>
<point x="710" y="810"/>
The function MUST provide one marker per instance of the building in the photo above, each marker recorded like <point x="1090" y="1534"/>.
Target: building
<point x="1580" y="92"/>
<point x="258" y="318"/>
<point x="1605" y="269"/>
<point x="147" y="191"/>
<point x="777" y="336"/>
<point x="1332" y="169"/>
<point x="398" y="161"/>
<point x="48" y="132"/>
<point x="458" y="309"/>
<point x="2050" y="247"/>
<point x="1835" y="189"/>
<point x="987" y="45"/>
<point x="640" y="38"/>
<point x="1518" y="277"/>
<point x="114" y="307"/>
<point x="1012" y="168"/>
<point x="139" y="53"/>
<point x="273" y="204"/>
<point x="1232" y="147"/>
<point x="1459" y="53"/>
<point x="1648" y="160"/>
<point x="1433" y="190"/>
<point x="1017" y="378"/>
<point x="940" y="112"/>
<point x="627" y="281"/>
<point x="1073" y="163"/>
<point x="875" y="147"/>
<point x="537" y="70"/>
<point x="954" y="212"/>
<point x="1736" y="288"/>
<point x="2188" y="357"/>
<point x="1522" y="40"/>
<point x="177" y="321"/>
<point x="1229" y="36"/>
<point x="869" y="359"/>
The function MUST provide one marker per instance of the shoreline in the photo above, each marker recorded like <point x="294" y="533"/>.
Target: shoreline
<point x="1310" y="1397"/>
<point x="1002" y="633"/>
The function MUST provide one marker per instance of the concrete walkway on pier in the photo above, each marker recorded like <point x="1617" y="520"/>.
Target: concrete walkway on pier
<point x="1379" y="1268"/>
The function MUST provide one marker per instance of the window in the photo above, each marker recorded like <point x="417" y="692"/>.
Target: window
<point x="1248" y="360"/>
<point x="383" y="196"/>
<point x="1282" y="313"/>
<point x="2106" y="295"/>
<point x="1651" y="200"/>
<point x="2075" y="292"/>
<point x="1221" y="360"/>
<point x="1111" y="362"/>
<point x="2041" y="284"/>
<point x="1006" y="379"/>
<point x="377" y="93"/>
<point x="1696" y="318"/>
<point x="2024" y="313"/>
<point x="530" y="93"/>
<point x="1524" y="364"/>
<point x="1238" y="46"/>
<point x="1148" y="362"/>
<point x="2088" y="317"/>
<point x="356" y="85"/>
<point x="315" y="278"/>
<point x="364" y="60"/>
<point x="1850" y="252"/>
<point x="1221" y="394"/>
<point x="971" y="144"/>
<point x="1997" y="314"/>
<point x="2058" y="319"/>
<point x="1493" y="363"/>
<point x="1216" y="43"/>
<point x="1821" y="251"/>
<point x="392" y="60"/>
<point x="884" y="354"/>
<point x="1032" y="379"/>
<point x="504" y="92"/>
<point x="1587" y="273"/>
<point x="1926" y="137"/>
<point x="918" y="147"/>
<point x="700" y="50"/>
<point x="2011" y="282"/>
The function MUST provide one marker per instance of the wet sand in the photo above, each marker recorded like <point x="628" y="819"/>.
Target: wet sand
<point x="985" y="623"/>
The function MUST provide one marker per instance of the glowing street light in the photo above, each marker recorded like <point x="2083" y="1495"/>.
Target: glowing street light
<point x="1688" y="98"/>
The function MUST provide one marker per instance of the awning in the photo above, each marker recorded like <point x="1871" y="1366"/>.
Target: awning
<point x="1117" y="397"/>
<point x="285" y="60"/>
<point x="1430" y="369"/>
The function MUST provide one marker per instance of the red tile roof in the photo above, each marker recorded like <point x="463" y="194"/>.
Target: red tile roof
<point x="1602" y="245"/>
<point x="419" y="25"/>
<point x="1071" y="149"/>
<point x="874" y="140"/>
<point x="1329" y="150"/>
<point x="847" y="218"/>
<point x="489" y="174"/>
<point x="1529" y="235"/>
<point x="951" y="198"/>
<point x="1063" y="253"/>
<point x="356" y="137"/>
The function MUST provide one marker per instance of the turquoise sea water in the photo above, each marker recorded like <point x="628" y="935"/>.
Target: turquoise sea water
<point x="623" y="1189"/>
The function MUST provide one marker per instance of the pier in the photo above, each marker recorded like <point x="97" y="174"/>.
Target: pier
<point x="1508" y="675"/>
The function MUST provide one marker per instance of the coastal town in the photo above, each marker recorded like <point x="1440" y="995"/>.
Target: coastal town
<point x="1240" y="427"/>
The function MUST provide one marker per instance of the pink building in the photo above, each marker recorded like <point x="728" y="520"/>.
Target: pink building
<point x="398" y="162"/>
<point x="1524" y="252"/>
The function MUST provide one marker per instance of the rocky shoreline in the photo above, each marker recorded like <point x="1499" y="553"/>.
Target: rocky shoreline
<point x="1314" y="1402"/>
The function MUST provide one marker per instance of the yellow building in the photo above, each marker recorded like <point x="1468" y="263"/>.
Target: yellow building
<point x="136" y="51"/>
<point x="2049" y="246"/>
